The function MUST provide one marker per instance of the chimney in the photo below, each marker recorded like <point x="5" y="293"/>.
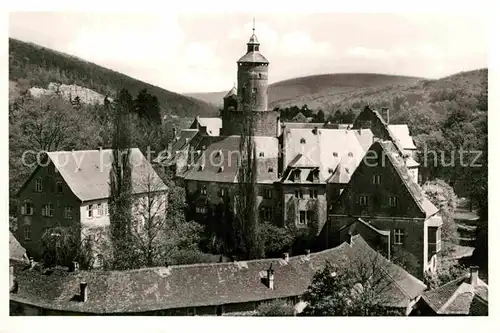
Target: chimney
<point x="75" y="266"/>
<point x="315" y="130"/>
<point x="286" y="256"/>
<point x="350" y="240"/>
<point x="270" y="277"/>
<point x="385" y="114"/>
<point x="474" y="272"/>
<point x="32" y="263"/>
<point x="83" y="291"/>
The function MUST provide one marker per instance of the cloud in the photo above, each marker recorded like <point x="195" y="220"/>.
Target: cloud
<point x="364" y="52"/>
<point x="300" y="43"/>
<point x="265" y="33"/>
<point x="201" y="56"/>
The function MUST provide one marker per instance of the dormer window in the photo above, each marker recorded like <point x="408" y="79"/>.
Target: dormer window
<point x="330" y="170"/>
<point x="270" y="169"/>
<point x="261" y="154"/>
<point x="203" y="189"/>
<point x="350" y="154"/>
<point x="303" y="141"/>
<point x="335" y="154"/>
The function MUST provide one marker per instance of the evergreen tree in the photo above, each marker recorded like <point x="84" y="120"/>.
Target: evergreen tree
<point x="247" y="225"/>
<point x="320" y="116"/>
<point x="120" y="201"/>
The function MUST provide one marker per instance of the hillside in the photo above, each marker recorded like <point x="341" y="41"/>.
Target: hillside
<point x="34" y="66"/>
<point x="315" y="90"/>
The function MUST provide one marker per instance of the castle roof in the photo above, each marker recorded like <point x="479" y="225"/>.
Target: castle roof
<point x="402" y="133"/>
<point x="231" y="92"/>
<point x="219" y="159"/>
<point x="86" y="172"/>
<point x="459" y="297"/>
<point x="254" y="56"/>
<point x="212" y="284"/>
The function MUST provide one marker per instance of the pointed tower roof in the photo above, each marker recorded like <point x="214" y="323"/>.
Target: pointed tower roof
<point x="253" y="54"/>
<point x="231" y="92"/>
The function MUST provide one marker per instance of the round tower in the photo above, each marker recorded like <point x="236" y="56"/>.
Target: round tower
<point x="252" y="78"/>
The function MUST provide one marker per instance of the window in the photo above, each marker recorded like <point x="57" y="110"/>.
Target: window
<point x="106" y="208"/>
<point x="438" y="240"/>
<point x="27" y="233"/>
<point x="270" y="169"/>
<point x="90" y="211"/>
<point x="48" y="210"/>
<point x="201" y="210"/>
<point x="393" y="201"/>
<point x="335" y="154"/>
<point x="376" y="179"/>
<point x="398" y="236"/>
<point x="302" y="140"/>
<point x="302" y="219"/>
<point x="59" y="187"/>
<point x="27" y="208"/>
<point x="100" y="210"/>
<point x="313" y="194"/>
<point x="38" y="185"/>
<point x="305" y="217"/>
<point x="261" y="154"/>
<point x="299" y="194"/>
<point x="268" y="193"/>
<point x="267" y="213"/>
<point x="191" y="312"/>
<point x="363" y="200"/>
<point x="350" y="154"/>
<point x="68" y="212"/>
<point x="203" y="189"/>
<point x="222" y="192"/>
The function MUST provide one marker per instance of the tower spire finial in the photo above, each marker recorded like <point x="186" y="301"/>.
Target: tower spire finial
<point x="253" y="27"/>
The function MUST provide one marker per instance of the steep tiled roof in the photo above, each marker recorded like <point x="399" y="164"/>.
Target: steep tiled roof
<point x="224" y="151"/>
<point x="327" y="149"/>
<point x="231" y="92"/>
<point x="180" y="143"/>
<point x="458" y="296"/>
<point x="87" y="172"/>
<point x="402" y="133"/>
<point x="16" y="251"/>
<point x="201" y="284"/>
<point x="254" y="56"/>
<point x="397" y="161"/>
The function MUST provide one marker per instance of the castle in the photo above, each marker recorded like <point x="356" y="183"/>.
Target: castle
<point x="310" y="174"/>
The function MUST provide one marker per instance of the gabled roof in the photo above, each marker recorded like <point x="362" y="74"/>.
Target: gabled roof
<point x="302" y="161"/>
<point x="196" y="285"/>
<point x="325" y="148"/>
<point x="212" y="124"/>
<point x="231" y="92"/>
<point x="458" y="297"/>
<point x="426" y="207"/>
<point x="183" y="141"/>
<point x="86" y="172"/>
<point x="16" y="251"/>
<point x="402" y="133"/>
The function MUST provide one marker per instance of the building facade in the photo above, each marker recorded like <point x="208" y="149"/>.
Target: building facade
<point x="304" y="169"/>
<point x="71" y="190"/>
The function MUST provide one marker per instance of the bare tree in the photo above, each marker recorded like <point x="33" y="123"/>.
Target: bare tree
<point x="150" y="220"/>
<point x="361" y="285"/>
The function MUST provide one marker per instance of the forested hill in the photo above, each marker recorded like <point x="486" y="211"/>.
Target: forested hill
<point x="38" y="66"/>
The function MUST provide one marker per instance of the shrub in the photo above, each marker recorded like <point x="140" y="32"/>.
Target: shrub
<point x="275" y="308"/>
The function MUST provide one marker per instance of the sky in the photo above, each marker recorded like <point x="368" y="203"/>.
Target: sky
<point x="195" y="52"/>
